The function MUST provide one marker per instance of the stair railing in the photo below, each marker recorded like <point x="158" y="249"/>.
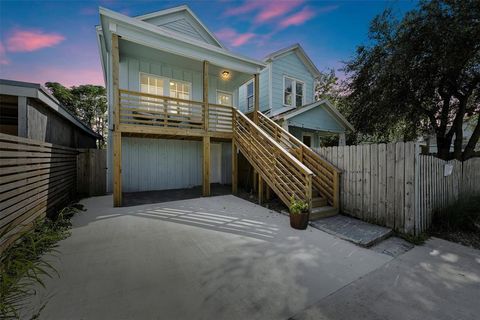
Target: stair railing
<point x="285" y="174"/>
<point x="326" y="176"/>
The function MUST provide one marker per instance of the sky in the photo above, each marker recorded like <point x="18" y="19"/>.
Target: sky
<point x="44" y="41"/>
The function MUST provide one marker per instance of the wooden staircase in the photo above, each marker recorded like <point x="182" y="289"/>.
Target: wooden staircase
<point x="287" y="165"/>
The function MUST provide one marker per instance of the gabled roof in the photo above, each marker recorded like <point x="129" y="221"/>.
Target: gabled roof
<point x="150" y="35"/>
<point x="193" y="19"/>
<point x="329" y="107"/>
<point x="36" y="91"/>
<point x="297" y="48"/>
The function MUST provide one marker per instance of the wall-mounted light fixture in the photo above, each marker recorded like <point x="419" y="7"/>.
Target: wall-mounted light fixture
<point x="225" y="75"/>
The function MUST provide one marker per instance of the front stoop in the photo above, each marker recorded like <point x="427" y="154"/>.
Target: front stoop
<point x="359" y="232"/>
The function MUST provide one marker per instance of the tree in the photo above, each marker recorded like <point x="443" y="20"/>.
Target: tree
<point x="87" y="102"/>
<point x="420" y="75"/>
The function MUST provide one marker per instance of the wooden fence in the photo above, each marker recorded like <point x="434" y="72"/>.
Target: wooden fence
<point x="35" y="177"/>
<point x="394" y="186"/>
<point x="91" y="172"/>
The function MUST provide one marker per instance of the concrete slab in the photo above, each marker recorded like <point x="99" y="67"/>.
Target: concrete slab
<point x="393" y="246"/>
<point x="437" y="281"/>
<point x="207" y="258"/>
<point x="357" y="231"/>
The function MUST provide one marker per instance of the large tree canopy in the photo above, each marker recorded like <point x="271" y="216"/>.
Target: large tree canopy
<point x="87" y="102"/>
<point x="420" y="74"/>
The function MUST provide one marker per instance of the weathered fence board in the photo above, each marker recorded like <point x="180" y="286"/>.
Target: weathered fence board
<point x="35" y="177"/>
<point x="91" y="172"/>
<point x="394" y="186"/>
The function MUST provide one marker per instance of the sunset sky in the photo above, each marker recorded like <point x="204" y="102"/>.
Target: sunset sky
<point x="44" y="41"/>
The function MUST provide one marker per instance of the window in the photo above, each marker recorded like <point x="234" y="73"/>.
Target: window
<point x="164" y="87"/>
<point x="292" y="92"/>
<point x="179" y="90"/>
<point x="151" y="84"/>
<point x="250" y="96"/>
<point x="224" y="98"/>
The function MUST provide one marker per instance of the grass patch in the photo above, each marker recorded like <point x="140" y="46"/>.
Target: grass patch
<point x="459" y="222"/>
<point x="23" y="266"/>
<point x="463" y="215"/>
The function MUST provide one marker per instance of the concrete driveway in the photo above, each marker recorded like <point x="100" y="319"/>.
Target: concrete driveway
<point x="207" y="258"/>
<point x="439" y="281"/>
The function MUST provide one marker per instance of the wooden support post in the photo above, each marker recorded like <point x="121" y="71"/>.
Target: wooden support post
<point x="260" y="189"/>
<point x="205" y="95"/>
<point x="268" y="194"/>
<point x="234" y="168"/>
<point x="255" y="176"/>
<point x="117" y="135"/>
<point x="256" y="97"/>
<point x="206" y="166"/>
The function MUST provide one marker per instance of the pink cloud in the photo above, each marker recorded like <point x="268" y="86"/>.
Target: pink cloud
<point x="274" y="9"/>
<point x="31" y="40"/>
<point x="265" y="10"/>
<point x="233" y="38"/>
<point x="3" y="57"/>
<point x="298" y="18"/>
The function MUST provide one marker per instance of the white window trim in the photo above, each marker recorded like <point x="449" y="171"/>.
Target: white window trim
<point x="246" y="95"/>
<point x="308" y="134"/>
<point x="294" y="91"/>
<point x="224" y="92"/>
<point x="166" y="83"/>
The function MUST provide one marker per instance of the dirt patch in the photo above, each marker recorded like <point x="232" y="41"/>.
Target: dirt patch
<point x="466" y="238"/>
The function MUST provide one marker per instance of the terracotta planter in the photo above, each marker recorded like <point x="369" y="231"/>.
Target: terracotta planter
<point x="299" y="221"/>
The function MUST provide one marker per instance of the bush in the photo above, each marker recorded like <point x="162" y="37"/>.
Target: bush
<point x="463" y="215"/>
<point x="22" y="266"/>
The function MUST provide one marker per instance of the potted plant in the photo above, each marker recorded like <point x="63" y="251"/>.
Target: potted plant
<point x="298" y="214"/>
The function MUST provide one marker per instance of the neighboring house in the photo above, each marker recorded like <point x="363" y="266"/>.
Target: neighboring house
<point x="177" y="99"/>
<point x="287" y="95"/>
<point x="29" y="110"/>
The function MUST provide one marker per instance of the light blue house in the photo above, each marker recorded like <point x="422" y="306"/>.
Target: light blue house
<point x="287" y="95"/>
<point x="177" y="99"/>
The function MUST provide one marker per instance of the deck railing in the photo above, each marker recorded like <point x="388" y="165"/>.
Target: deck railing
<point x="281" y="171"/>
<point x="143" y="109"/>
<point x="326" y="175"/>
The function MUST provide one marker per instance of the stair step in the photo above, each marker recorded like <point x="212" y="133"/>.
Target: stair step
<point x="322" y="212"/>
<point x="319" y="202"/>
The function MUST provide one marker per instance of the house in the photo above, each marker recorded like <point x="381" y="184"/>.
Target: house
<point x="176" y="118"/>
<point x="287" y="95"/>
<point x="29" y="110"/>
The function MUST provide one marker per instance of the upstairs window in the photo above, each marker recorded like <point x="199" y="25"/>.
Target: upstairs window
<point x="293" y="92"/>
<point x="250" y="96"/>
<point x="151" y="84"/>
<point x="180" y="90"/>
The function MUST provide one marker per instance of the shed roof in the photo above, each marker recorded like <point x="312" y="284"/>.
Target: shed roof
<point x="37" y="91"/>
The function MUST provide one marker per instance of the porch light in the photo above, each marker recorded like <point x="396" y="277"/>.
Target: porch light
<point x="225" y="75"/>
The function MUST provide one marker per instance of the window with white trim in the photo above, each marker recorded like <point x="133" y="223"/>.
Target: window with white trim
<point x="179" y="89"/>
<point x="250" y="96"/>
<point x="151" y="84"/>
<point x="293" y="92"/>
<point x="224" y="98"/>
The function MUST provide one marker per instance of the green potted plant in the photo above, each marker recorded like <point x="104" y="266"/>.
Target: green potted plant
<point x="298" y="214"/>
